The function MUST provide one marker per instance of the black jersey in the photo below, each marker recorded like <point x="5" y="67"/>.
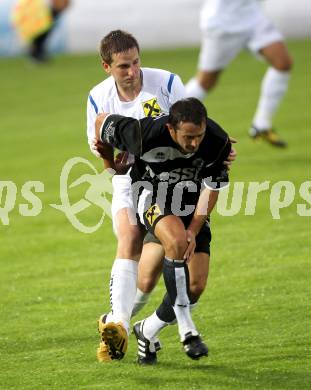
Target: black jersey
<point x="159" y="161"/>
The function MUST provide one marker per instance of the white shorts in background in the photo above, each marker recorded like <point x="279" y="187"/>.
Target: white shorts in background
<point x="219" y="47"/>
<point x="122" y="198"/>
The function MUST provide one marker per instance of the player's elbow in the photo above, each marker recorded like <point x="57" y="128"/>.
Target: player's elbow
<point x="99" y="123"/>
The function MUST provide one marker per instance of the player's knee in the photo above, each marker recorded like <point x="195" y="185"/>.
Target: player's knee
<point x="175" y="247"/>
<point x="146" y="284"/>
<point x="284" y="64"/>
<point x="197" y="287"/>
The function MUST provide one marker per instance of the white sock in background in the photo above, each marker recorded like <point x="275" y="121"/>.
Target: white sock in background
<point x="194" y="89"/>
<point x="141" y="299"/>
<point x="122" y="291"/>
<point x="273" y="88"/>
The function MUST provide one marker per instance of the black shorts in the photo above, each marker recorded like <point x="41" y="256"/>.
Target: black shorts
<point x="154" y="214"/>
<point x="203" y="239"/>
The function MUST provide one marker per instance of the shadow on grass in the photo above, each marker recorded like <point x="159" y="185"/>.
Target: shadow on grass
<point x="204" y="375"/>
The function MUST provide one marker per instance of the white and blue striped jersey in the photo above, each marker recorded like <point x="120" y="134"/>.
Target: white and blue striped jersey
<point x="160" y="89"/>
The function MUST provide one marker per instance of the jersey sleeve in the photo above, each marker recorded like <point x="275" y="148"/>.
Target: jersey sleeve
<point x="130" y="134"/>
<point x="176" y="89"/>
<point x="123" y="133"/>
<point x="91" y="114"/>
<point x="217" y="176"/>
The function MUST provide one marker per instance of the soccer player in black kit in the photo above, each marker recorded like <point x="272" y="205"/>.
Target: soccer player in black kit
<point x="179" y="169"/>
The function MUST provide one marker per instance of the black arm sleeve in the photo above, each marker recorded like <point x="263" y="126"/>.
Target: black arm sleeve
<point x="123" y="133"/>
<point x="132" y="135"/>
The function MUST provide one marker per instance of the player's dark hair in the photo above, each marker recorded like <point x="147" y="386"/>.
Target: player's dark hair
<point x="116" y="41"/>
<point x="187" y="110"/>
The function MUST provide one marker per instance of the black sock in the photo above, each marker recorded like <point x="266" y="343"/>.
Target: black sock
<point x="165" y="310"/>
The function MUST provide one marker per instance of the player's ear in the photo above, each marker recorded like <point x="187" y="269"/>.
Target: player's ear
<point x="107" y="67"/>
<point x="170" y="129"/>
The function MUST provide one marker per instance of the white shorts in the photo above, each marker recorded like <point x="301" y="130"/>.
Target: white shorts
<point x="122" y="198"/>
<point x="219" y="47"/>
<point x="144" y="202"/>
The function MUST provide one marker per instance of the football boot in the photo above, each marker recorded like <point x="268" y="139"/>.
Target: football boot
<point x="147" y="350"/>
<point x="194" y="346"/>
<point x="267" y="135"/>
<point x="113" y="340"/>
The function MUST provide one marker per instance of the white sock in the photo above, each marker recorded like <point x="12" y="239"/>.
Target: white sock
<point x="192" y="306"/>
<point x="273" y="88"/>
<point x="141" y="299"/>
<point x="182" y="304"/>
<point x="194" y="89"/>
<point x="122" y="291"/>
<point x="184" y="321"/>
<point x="152" y="326"/>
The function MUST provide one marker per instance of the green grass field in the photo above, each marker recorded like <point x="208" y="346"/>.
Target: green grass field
<point x="255" y="314"/>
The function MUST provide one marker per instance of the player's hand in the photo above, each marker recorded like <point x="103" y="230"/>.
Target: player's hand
<point x="191" y="245"/>
<point x="121" y="158"/>
<point x="121" y="163"/>
<point x="102" y="149"/>
<point x="232" y="155"/>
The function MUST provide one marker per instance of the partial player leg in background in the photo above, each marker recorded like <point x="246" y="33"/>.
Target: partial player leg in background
<point x="218" y="49"/>
<point x="273" y="87"/>
<point x="149" y="271"/>
<point x="122" y="287"/>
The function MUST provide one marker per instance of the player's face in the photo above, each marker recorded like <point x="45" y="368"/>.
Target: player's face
<point x="125" y="68"/>
<point x="188" y="136"/>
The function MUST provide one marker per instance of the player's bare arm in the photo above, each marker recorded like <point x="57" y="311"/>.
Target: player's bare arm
<point x="99" y="123"/>
<point x="232" y="155"/>
<point x="103" y="149"/>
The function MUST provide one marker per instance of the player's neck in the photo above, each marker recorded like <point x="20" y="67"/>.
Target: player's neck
<point x="130" y="93"/>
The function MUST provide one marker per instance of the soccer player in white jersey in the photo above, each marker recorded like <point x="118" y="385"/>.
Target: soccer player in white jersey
<point x="137" y="92"/>
<point x="228" y="27"/>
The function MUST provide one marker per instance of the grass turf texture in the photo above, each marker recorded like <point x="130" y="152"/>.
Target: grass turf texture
<point x="255" y="313"/>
